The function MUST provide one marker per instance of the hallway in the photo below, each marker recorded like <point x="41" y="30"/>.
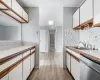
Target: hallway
<point x="51" y="67"/>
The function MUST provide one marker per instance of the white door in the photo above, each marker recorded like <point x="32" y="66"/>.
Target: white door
<point x="42" y="40"/>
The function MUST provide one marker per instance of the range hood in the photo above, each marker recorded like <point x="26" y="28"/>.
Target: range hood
<point x="14" y="10"/>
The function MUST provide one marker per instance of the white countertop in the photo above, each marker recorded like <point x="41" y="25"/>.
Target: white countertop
<point x="95" y="53"/>
<point x="11" y="51"/>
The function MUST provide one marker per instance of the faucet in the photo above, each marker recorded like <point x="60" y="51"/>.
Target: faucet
<point x="89" y="46"/>
<point x="84" y="44"/>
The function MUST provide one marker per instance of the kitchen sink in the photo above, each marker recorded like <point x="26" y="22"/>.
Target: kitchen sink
<point x="81" y="48"/>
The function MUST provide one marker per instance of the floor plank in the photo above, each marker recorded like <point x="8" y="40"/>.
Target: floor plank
<point x="51" y="67"/>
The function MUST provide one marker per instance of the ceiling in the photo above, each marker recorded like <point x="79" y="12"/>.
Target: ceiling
<point x="39" y="3"/>
<point x="50" y="9"/>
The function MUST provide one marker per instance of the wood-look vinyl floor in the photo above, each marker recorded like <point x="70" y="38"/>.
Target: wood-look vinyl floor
<point x="51" y="68"/>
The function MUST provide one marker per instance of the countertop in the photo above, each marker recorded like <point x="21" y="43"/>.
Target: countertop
<point x="8" y="52"/>
<point x="93" y="55"/>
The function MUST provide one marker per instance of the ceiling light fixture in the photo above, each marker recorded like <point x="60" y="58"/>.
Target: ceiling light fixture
<point x="51" y="22"/>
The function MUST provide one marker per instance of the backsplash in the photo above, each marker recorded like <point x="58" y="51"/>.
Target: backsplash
<point x="72" y="37"/>
<point x="5" y="44"/>
<point x="91" y="36"/>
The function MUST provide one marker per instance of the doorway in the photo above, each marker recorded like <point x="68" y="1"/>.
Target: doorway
<point x="52" y="39"/>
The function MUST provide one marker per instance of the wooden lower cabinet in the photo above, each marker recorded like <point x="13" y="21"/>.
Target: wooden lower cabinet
<point x="75" y="68"/>
<point x="26" y="68"/>
<point x="18" y="68"/>
<point x="16" y="74"/>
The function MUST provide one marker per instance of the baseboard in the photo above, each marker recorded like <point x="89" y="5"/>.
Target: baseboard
<point x="70" y="73"/>
<point x="30" y="74"/>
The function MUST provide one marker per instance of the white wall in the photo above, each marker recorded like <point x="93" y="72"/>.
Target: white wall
<point x="10" y="32"/>
<point x="30" y="31"/>
<point x="2" y="33"/>
<point x="59" y="39"/>
<point x="91" y="36"/>
<point x="70" y="36"/>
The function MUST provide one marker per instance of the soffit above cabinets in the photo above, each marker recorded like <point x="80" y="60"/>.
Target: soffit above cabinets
<point x="14" y="10"/>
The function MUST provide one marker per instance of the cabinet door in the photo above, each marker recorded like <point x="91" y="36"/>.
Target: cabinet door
<point x="5" y="77"/>
<point x="86" y="11"/>
<point x="96" y="11"/>
<point x="32" y="61"/>
<point x="68" y="61"/>
<point x="76" y="18"/>
<point x="25" y="15"/>
<point x="16" y="7"/>
<point x="16" y="74"/>
<point x="75" y="68"/>
<point x="26" y="66"/>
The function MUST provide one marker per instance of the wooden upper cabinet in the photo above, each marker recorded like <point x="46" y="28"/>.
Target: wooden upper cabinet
<point x="4" y="4"/>
<point x="76" y="19"/>
<point x="15" y="10"/>
<point x="86" y="11"/>
<point x="16" y="7"/>
<point x="96" y="13"/>
<point x="25" y="15"/>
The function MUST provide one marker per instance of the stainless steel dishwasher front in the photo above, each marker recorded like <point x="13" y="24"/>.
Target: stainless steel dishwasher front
<point x="89" y="69"/>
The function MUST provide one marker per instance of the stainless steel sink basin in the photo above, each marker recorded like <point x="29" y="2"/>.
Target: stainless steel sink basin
<point x="81" y="48"/>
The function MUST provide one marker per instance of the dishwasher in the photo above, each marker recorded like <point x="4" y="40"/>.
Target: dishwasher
<point x="89" y="69"/>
